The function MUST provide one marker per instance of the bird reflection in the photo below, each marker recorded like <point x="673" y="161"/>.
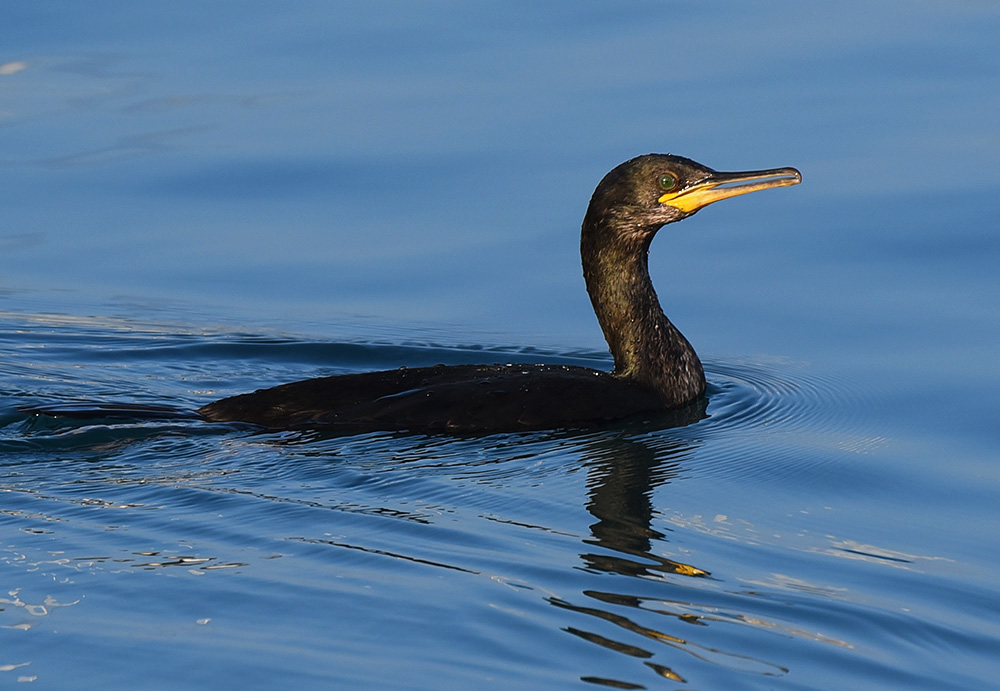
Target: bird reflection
<point x="622" y="476"/>
<point x="623" y="473"/>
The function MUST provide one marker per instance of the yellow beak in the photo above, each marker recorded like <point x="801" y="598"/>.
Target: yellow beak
<point x="719" y="186"/>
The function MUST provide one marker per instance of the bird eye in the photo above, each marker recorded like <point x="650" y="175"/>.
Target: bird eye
<point x="668" y="182"/>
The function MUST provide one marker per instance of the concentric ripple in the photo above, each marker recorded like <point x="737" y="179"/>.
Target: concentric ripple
<point x="744" y="395"/>
<point x="778" y="419"/>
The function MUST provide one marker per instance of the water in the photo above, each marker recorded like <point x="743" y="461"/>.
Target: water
<point x="200" y="201"/>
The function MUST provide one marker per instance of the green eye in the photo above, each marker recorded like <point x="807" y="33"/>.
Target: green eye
<point x="668" y="182"/>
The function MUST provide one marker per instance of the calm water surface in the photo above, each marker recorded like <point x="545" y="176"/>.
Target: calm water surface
<point x="201" y="201"/>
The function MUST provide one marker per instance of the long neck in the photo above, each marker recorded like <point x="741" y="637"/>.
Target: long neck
<point x="647" y="348"/>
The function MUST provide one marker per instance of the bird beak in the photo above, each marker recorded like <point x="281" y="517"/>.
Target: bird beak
<point x="725" y="185"/>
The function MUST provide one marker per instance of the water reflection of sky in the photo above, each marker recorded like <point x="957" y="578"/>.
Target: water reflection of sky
<point x="362" y="152"/>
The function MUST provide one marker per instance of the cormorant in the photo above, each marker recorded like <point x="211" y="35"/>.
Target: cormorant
<point x="656" y="369"/>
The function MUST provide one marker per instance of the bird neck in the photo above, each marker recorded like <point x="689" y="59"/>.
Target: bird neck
<point x="646" y="346"/>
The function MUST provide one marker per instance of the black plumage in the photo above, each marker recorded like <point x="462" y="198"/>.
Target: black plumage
<point x="656" y="369"/>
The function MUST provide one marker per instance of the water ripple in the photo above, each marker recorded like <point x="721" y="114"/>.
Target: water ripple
<point x="777" y="420"/>
<point x="587" y="524"/>
<point x="753" y="394"/>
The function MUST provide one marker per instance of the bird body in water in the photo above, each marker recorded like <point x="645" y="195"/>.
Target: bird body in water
<point x="656" y="369"/>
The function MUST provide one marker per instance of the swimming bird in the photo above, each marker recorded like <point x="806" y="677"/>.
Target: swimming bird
<point x="655" y="369"/>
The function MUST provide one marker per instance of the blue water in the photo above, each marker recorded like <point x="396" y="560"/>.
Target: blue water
<point x="200" y="200"/>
